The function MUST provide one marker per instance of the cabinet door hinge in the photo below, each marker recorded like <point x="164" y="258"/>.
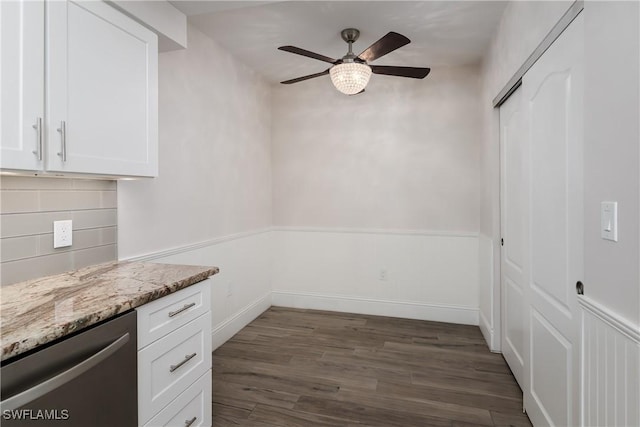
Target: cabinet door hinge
<point x="501" y="242"/>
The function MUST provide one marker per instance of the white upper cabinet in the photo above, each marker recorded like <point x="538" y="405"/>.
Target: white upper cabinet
<point x="101" y="111"/>
<point x="21" y="85"/>
<point x="102" y="91"/>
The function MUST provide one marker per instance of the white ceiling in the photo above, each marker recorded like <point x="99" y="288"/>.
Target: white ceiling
<point x="443" y="33"/>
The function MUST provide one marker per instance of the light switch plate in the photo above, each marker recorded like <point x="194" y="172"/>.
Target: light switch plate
<point x="609" y="221"/>
<point x="62" y="234"/>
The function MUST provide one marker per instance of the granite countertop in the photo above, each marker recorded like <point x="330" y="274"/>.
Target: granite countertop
<point x="36" y="312"/>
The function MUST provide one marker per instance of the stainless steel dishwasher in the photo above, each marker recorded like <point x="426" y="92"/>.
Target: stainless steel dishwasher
<point x="87" y="380"/>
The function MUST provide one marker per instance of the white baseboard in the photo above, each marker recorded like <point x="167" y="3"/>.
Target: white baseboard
<point x="231" y="326"/>
<point x="488" y="333"/>
<point x="383" y="231"/>
<point x="350" y="304"/>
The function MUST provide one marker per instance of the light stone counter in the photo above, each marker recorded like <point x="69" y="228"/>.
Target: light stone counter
<point x="39" y="311"/>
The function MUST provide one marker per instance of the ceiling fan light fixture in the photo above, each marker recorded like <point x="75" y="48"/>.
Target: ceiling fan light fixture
<point x="350" y="77"/>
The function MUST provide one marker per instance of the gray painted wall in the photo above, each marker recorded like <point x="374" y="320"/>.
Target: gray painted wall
<point x="215" y="165"/>
<point x="403" y="155"/>
<point x="612" y="154"/>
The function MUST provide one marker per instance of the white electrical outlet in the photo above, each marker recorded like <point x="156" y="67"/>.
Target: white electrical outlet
<point x="383" y="274"/>
<point x="229" y="288"/>
<point x="62" y="234"/>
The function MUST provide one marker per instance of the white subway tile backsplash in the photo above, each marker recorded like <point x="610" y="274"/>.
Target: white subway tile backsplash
<point x="28" y="208"/>
<point x="70" y="200"/>
<point x="95" y="218"/>
<point x="87" y="257"/>
<point x="19" y="201"/>
<point x="94" y="184"/>
<point x="18" y="248"/>
<point x="82" y="239"/>
<point x="32" y="268"/>
<point x="109" y="235"/>
<point x="13" y="225"/>
<point x="109" y="199"/>
<point x="31" y="183"/>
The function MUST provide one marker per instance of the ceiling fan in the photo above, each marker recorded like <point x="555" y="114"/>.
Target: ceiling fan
<point x="350" y="74"/>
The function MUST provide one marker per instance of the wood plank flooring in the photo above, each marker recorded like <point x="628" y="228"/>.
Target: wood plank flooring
<point x="314" y="368"/>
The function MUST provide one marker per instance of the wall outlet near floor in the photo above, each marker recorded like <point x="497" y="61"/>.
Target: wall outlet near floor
<point x="229" y="288"/>
<point x="383" y="275"/>
<point x="62" y="234"/>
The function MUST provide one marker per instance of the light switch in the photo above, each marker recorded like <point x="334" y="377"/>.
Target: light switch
<point x="609" y="221"/>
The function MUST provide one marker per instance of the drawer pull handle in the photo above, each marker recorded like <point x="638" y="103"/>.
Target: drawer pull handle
<point x="186" y="359"/>
<point x="186" y="307"/>
<point x="187" y="423"/>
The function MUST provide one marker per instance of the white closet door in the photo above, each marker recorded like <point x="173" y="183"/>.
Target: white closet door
<point x="21" y="84"/>
<point x="553" y="95"/>
<point x="513" y="201"/>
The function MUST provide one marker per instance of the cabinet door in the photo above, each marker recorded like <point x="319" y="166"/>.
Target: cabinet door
<point x="21" y="84"/>
<point x="102" y="91"/>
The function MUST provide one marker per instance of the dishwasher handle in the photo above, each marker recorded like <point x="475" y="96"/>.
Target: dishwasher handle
<point x="29" y="395"/>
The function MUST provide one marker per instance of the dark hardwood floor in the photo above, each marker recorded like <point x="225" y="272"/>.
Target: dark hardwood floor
<point x="315" y="368"/>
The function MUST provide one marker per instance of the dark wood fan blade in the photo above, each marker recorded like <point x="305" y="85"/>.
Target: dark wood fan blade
<point x="308" y="54"/>
<point x="413" y="72"/>
<point x="386" y="44"/>
<point x="357" y="93"/>
<point x="303" y="78"/>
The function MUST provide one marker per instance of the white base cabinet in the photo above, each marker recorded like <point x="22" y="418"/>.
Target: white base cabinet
<point x="174" y="359"/>
<point x="191" y="408"/>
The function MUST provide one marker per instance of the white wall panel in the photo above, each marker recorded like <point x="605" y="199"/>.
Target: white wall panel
<point x="432" y="276"/>
<point x="610" y="370"/>
<point x="242" y="289"/>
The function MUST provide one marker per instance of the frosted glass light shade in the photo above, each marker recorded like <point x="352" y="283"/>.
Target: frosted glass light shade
<point x="350" y="77"/>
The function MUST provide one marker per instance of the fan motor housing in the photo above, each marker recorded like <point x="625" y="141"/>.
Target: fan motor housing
<point x="350" y="35"/>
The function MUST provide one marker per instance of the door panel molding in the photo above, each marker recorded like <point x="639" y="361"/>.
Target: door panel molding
<point x="544" y="164"/>
<point x="553" y="92"/>
<point x="513" y="207"/>
<point x="556" y="412"/>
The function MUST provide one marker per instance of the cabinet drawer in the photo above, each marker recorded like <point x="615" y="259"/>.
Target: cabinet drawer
<point x="195" y="402"/>
<point x="168" y="366"/>
<point x="164" y="315"/>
